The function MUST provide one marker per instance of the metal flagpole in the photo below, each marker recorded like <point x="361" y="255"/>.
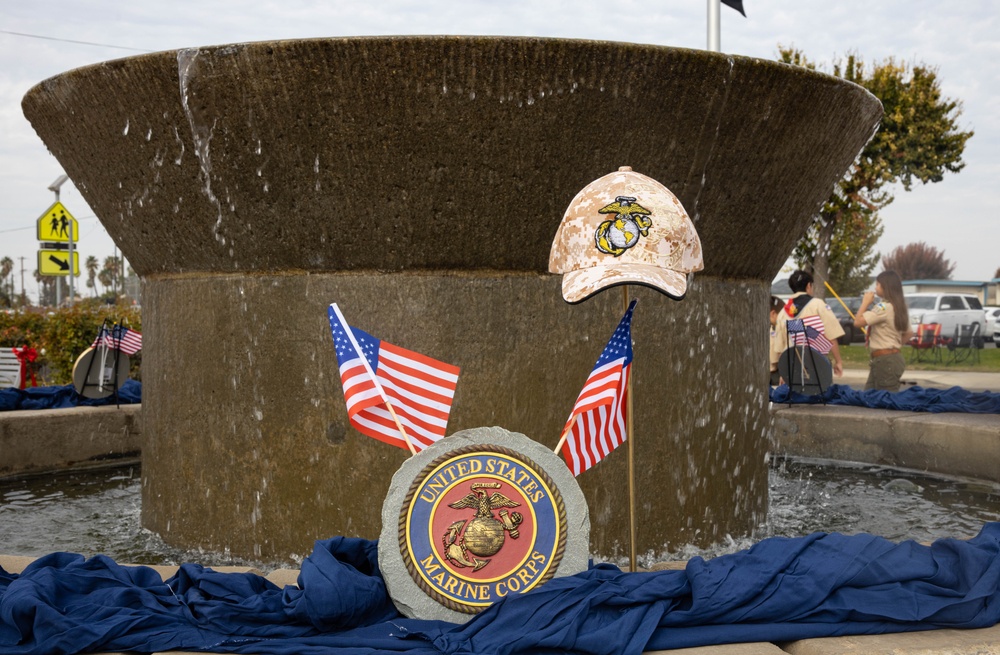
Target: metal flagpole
<point x="715" y="25"/>
<point x="628" y="445"/>
<point x="631" y="451"/>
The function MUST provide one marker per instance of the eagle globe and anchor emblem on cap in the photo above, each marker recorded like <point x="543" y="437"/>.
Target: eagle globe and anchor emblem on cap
<point x="478" y="522"/>
<point x="621" y="233"/>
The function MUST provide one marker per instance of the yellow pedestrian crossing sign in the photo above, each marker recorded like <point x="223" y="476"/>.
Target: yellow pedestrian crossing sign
<point x="56" y="262"/>
<point x="56" y="225"/>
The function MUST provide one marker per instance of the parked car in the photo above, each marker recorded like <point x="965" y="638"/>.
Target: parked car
<point x="992" y="323"/>
<point x="948" y="309"/>
<point x="851" y="334"/>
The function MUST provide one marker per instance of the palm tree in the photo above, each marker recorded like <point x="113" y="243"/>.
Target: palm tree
<point x="111" y="274"/>
<point x="45" y="293"/>
<point x="92" y="266"/>
<point x="7" y="268"/>
<point x="104" y="277"/>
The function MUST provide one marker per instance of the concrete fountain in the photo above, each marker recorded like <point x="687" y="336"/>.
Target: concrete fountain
<point x="418" y="182"/>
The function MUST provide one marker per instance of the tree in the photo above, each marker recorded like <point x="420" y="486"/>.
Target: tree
<point x="852" y="256"/>
<point x="918" y="139"/>
<point x="92" y="266"/>
<point x="918" y="261"/>
<point x="111" y="274"/>
<point x="6" y="269"/>
<point x="46" y="289"/>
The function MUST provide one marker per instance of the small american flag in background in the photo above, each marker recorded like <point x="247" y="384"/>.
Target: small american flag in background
<point x="119" y="338"/>
<point x="419" y="388"/>
<point x="809" y="331"/>
<point x="597" y="423"/>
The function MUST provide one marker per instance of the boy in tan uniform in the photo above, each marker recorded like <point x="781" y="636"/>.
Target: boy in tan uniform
<point x="776" y="307"/>
<point x="802" y="305"/>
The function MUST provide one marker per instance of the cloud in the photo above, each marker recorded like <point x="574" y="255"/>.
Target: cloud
<point x="956" y="38"/>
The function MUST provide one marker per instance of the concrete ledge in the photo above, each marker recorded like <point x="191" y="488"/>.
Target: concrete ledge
<point x="40" y="441"/>
<point x="985" y="641"/>
<point x="964" y="445"/>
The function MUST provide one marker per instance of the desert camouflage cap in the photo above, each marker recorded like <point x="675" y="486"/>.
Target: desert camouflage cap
<point x="625" y="228"/>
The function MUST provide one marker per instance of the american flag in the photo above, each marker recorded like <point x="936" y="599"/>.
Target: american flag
<point x="596" y="425"/>
<point x="809" y="331"/>
<point x="374" y="373"/>
<point x="119" y="338"/>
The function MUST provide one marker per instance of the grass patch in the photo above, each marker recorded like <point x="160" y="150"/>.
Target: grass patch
<point x="856" y="356"/>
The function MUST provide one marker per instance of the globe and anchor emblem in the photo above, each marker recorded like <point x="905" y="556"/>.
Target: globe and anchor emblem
<point x="615" y="236"/>
<point x="485" y="534"/>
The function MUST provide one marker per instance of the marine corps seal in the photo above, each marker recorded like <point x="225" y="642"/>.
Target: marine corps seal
<point x="480" y="521"/>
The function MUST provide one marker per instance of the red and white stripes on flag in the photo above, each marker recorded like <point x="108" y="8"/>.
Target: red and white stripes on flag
<point x="596" y="426"/>
<point x="121" y="338"/>
<point x="376" y="374"/>
<point x="814" y="332"/>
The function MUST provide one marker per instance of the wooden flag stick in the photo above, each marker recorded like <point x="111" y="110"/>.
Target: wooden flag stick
<point x="631" y="456"/>
<point x="409" y="444"/>
<point x="371" y="374"/>
<point x="562" y="439"/>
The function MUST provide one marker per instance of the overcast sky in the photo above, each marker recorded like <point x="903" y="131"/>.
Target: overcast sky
<point x="959" y="39"/>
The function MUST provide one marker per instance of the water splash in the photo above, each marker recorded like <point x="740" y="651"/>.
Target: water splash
<point x="201" y="134"/>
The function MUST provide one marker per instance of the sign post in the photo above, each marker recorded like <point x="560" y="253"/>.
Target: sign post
<point x="54" y="227"/>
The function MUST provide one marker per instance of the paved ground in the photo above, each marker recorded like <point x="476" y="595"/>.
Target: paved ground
<point x="971" y="381"/>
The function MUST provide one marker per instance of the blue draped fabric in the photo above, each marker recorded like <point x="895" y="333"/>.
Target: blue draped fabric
<point x="61" y="397"/>
<point x="913" y="399"/>
<point x="780" y="589"/>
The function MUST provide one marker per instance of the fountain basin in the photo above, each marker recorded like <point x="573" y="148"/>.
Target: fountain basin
<point x="417" y="182"/>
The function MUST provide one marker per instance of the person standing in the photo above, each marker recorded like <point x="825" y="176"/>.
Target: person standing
<point x="888" y="323"/>
<point x="776" y="306"/>
<point x="801" y="305"/>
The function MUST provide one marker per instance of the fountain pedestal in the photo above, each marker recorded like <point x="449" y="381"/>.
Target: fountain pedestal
<point x="418" y="183"/>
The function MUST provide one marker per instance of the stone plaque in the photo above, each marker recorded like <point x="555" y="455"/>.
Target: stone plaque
<point x="477" y="516"/>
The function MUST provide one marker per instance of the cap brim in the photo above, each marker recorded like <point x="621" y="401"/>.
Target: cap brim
<point x="580" y="284"/>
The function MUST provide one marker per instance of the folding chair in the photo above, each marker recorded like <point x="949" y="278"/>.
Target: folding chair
<point x="925" y="343"/>
<point x="966" y="344"/>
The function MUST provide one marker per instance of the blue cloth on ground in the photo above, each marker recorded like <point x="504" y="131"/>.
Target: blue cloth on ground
<point x="913" y="399"/>
<point x="61" y="397"/>
<point x="780" y="589"/>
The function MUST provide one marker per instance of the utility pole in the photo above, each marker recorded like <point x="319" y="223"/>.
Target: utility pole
<point x="23" y="297"/>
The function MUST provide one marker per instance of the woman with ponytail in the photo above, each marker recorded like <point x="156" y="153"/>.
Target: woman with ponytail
<point x="888" y="323"/>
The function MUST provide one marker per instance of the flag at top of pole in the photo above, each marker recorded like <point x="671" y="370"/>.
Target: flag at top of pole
<point x="394" y="395"/>
<point x="597" y="424"/>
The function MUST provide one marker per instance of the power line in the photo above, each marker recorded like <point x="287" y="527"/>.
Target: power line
<point x="53" y="38"/>
<point x="35" y="227"/>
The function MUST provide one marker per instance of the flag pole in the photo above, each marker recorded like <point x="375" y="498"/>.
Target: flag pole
<point x="371" y="374"/>
<point x="562" y="439"/>
<point x="631" y="456"/>
<point x="409" y="444"/>
<point x="846" y="308"/>
<point x="715" y="25"/>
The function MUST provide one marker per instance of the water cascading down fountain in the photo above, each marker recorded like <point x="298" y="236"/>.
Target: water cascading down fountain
<point x="418" y="182"/>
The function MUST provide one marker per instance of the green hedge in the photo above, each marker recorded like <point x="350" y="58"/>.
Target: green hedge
<point x="59" y="336"/>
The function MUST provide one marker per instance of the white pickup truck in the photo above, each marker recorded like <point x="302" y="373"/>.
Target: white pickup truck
<point x="948" y="309"/>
